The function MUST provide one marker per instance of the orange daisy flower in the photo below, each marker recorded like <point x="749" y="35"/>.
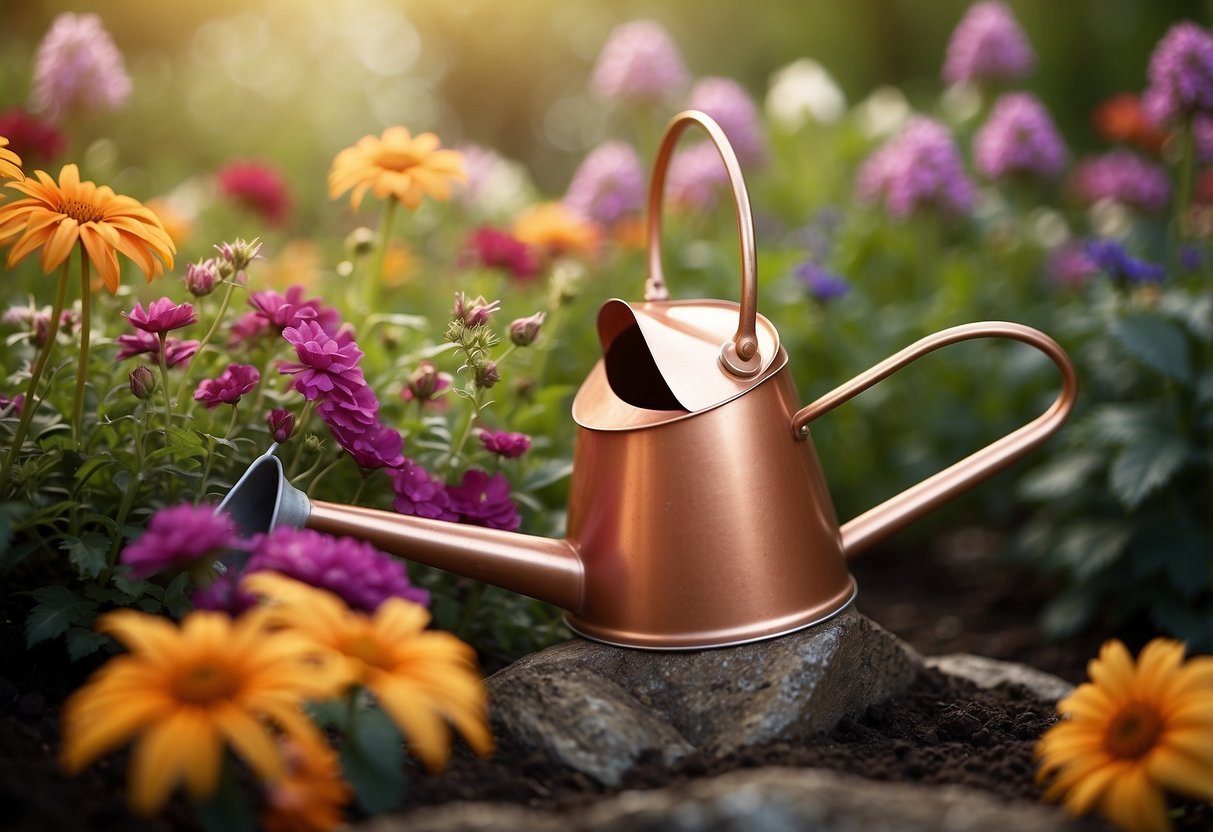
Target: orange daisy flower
<point x="56" y="215"/>
<point x="311" y="795"/>
<point x="1135" y="730"/>
<point x="10" y="162"/>
<point x="554" y="229"/>
<point x="397" y="165"/>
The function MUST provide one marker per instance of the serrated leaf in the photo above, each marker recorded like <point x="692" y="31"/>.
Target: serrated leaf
<point x="1145" y="466"/>
<point x="89" y="554"/>
<point x="58" y="608"/>
<point x="1117" y="424"/>
<point x="134" y="588"/>
<point x="83" y="642"/>
<point x="372" y="760"/>
<point x="1089" y="547"/>
<point x="1157" y="343"/>
<point x="1061" y="477"/>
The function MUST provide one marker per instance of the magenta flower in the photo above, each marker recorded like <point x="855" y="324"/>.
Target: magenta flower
<point x="34" y="140"/>
<point x="353" y="409"/>
<point x="234" y="382"/>
<point x="176" y="351"/>
<point x="494" y="249"/>
<point x="988" y="47"/>
<point x="161" y="316"/>
<point x="1125" y="177"/>
<point x="920" y="168"/>
<point x="609" y="185"/>
<point x="378" y="446"/>
<point x="1181" y="74"/>
<point x="281" y="423"/>
<point x="1071" y="266"/>
<point x="248" y="327"/>
<point x="425" y="383"/>
<point x="505" y="444"/>
<point x="202" y="277"/>
<point x="258" y="187"/>
<point x="484" y="501"/>
<point x="324" y="364"/>
<point x="180" y="537"/>
<point x="696" y="177"/>
<point x="419" y="493"/>
<point x="279" y="312"/>
<point x="17" y="403"/>
<point x="1018" y="139"/>
<point x="77" y="67"/>
<point x="730" y="105"/>
<point x="640" y="63"/>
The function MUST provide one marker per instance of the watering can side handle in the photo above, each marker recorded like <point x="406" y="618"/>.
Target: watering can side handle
<point x="897" y="512"/>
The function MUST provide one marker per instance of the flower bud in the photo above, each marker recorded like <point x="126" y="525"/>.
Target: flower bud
<point x="425" y="383"/>
<point x="360" y="242"/>
<point x="487" y="375"/>
<point x="313" y="444"/>
<point x="474" y="312"/>
<point x="142" y="382"/>
<point x="281" y="423"/>
<point x="524" y="331"/>
<point x="202" y="278"/>
<point x="240" y="253"/>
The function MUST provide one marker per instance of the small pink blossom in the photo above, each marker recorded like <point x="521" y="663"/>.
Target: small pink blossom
<point x="176" y="351"/>
<point x="324" y="363"/>
<point x="234" y="382"/>
<point x="180" y="537"/>
<point x="494" y="249"/>
<point x="162" y="316"/>
<point x="78" y="67"/>
<point x="484" y="501"/>
<point x="258" y="187"/>
<point x="419" y="493"/>
<point x="282" y="424"/>
<point x="505" y="444"/>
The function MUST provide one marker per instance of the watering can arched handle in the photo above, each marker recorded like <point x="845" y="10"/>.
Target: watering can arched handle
<point x="740" y="356"/>
<point x="909" y="505"/>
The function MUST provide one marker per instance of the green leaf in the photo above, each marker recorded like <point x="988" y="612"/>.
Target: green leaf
<point x="1117" y="424"/>
<point x="135" y="588"/>
<point x="176" y="601"/>
<point x="1068" y="613"/>
<point x="547" y="474"/>
<point x="1157" y="343"/>
<point x="89" y="554"/>
<point x="372" y="760"/>
<point x="1090" y="547"/>
<point x="58" y="608"/>
<point x="1145" y="466"/>
<point x="83" y="642"/>
<point x="1061" y="477"/>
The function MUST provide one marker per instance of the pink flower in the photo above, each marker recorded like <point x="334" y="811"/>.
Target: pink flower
<point x="728" y="103"/>
<point x="609" y="185"/>
<point x="139" y="342"/>
<point x="1019" y="139"/>
<point x="201" y="278"/>
<point x="1181" y="74"/>
<point x="292" y="309"/>
<point x="920" y="168"/>
<point x="425" y="383"/>
<point x="256" y="186"/>
<point x="179" y="537"/>
<point x="484" y="501"/>
<point x="77" y="67"/>
<point x="282" y="424"/>
<point x="697" y="176"/>
<point x="988" y="46"/>
<point x="1124" y="177"/>
<point x="34" y="140"/>
<point x="419" y="493"/>
<point x="235" y="381"/>
<point x="324" y="364"/>
<point x="353" y="409"/>
<point x="248" y="327"/>
<point x="162" y="316"/>
<point x="493" y="249"/>
<point x="503" y="443"/>
<point x="17" y="403"/>
<point x="376" y="447"/>
<point x="639" y="63"/>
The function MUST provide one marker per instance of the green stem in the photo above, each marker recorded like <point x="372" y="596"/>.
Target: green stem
<point x="311" y="489"/>
<point x="373" y="276"/>
<point x="210" y="334"/>
<point x="1184" y="192"/>
<point x="358" y="491"/>
<point x="132" y="488"/>
<point x="162" y="360"/>
<point x="206" y="469"/>
<point x="31" y="391"/>
<point x="82" y="362"/>
<point x="300" y="448"/>
<point x="473" y="414"/>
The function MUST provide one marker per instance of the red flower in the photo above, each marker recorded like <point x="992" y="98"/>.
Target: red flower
<point x="258" y="187"/>
<point x="493" y="249"/>
<point x="37" y="142"/>
<point x="1123" y="119"/>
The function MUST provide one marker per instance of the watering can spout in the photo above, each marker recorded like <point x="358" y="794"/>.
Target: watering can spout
<point x="542" y="568"/>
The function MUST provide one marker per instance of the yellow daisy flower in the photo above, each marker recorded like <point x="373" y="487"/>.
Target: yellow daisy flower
<point x="311" y="795"/>
<point x="420" y="677"/>
<point x="556" y="230"/>
<point x="182" y="693"/>
<point x="56" y="215"/>
<point x="1133" y="731"/>
<point x="10" y="162"/>
<point x="397" y="165"/>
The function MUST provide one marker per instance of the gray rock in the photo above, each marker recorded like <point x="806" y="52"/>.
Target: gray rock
<point x="989" y="673"/>
<point x="756" y="800"/>
<point x="597" y="707"/>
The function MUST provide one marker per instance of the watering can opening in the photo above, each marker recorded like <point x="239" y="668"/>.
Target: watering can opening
<point x="263" y="499"/>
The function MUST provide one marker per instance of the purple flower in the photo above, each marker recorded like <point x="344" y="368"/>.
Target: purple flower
<point x="822" y="283"/>
<point x="918" y="168"/>
<point x="324" y="364"/>
<point x="503" y="443"/>
<point x="77" y="67"/>
<point x="609" y="185"/>
<point x="1018" y="139"/>
<point x="142" y="382"/>
<point x="281" y="423"/>
<point x="1070" y="266"/>
<point x="987" y="46"/>
<point x="1181" y="74"/>
<point x="1202" y="136"/>
<point x="201" y="278"/>
<point x="730" y="105"/>
<point x="240" y="253"/>
<point x="1111" y="257"/>
<point x="176" y="351"/>
<point x="162" y="316"/>
<point x="696" y="177"/>
<point x="473" y="312"/>
<point x="17" y="403"/>
<point x="524" y="331"/>
<point x="1125" y="177"/>
<point x="419" y="493"/>
<point x="378" y="446"/>
<point x="484" y="501"/>
<point x="494" y="249"/>
<point x="425" y="383"/>
<point x="352" y="409"/>
<point x="180" y="537"/>
<point x="640" y="63"/>
<point x="248" y="327"/>
<point x="291" y="309"/>
<point x="235" y="381"/>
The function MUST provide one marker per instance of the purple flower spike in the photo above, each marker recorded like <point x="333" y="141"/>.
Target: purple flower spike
<point x="419" y="493"/>
<point x="988" y="46"/>
<point x="919" y="168"/>
<point x="484" y="501"/>
<point x="235" y="381"/>
<point x="505" y="444"/>
<point x="609" y="185"/>
<point x="1181" y="74"/>
<point x="1125" y="177"/>
<point x="640" y="63"/>
<point x="1019" y="139"/>
<point x="1111" y="256"/>
<point x="178" y="538"/>
<point x="730" y="105"/>
<point x="324" y="363"/>
<point x="822" y="283"/>
<point x="78" y="67"/>
<point x="162" y="316"/>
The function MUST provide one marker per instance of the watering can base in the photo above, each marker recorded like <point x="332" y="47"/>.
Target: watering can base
<point x="725" y="637"/>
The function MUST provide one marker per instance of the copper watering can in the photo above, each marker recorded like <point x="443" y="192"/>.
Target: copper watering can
<point x="698" y="512"/>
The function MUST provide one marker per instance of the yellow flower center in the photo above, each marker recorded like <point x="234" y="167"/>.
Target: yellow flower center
<point x="80" y="211"/>
<point x="397" y="158"/>
<point x="1133" y="731"/>
<point x="205" y="683"/>
<point x="368" y="649"/>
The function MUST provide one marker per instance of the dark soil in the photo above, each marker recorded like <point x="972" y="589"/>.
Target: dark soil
<point x="950" y="599"/>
